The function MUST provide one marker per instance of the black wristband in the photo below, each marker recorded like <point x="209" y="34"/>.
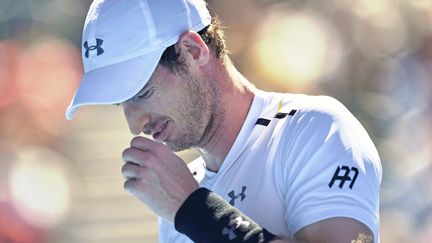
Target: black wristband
<point x="205" y="218"/>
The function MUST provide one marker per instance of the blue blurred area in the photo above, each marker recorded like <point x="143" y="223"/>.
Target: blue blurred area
<point x="374" y="56"/>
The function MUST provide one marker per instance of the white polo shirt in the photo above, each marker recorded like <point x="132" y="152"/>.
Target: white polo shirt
<point x="298" y="159"/>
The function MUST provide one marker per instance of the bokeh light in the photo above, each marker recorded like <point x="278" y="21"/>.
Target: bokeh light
<point x="9" y="54"/>
<point x="48" y="73"/>
<point x="379" y="31"/>
<point x="296" y="47"/>
<point x="373" y="55"/>
<point x="40" y="187"/>
<point x="421" y="4"/>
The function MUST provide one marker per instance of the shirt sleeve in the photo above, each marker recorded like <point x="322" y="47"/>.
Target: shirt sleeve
<point x="329" y="167"/>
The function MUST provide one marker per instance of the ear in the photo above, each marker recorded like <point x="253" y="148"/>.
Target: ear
<point x="191" y="44"/>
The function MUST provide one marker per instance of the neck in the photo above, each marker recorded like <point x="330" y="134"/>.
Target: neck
<point x="235" y="100"/>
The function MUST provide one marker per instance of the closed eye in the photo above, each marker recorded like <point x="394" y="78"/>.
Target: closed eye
<point x="146" y="94"/>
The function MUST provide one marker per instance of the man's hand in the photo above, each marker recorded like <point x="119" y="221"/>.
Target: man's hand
<point x="157" y="177"/>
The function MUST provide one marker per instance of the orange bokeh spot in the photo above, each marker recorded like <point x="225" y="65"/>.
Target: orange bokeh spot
<point x="9" y="55"/>
<point x="48" y="75"/>
<point x="14" y="229"/>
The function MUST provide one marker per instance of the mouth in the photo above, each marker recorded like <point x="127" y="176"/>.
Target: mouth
<point x="161" y="133"/>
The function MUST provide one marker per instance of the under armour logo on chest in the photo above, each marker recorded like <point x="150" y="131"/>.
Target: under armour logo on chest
<point x="97" y="47"/>
<point x="233" y="196"/>
<point x="239" y="222"/>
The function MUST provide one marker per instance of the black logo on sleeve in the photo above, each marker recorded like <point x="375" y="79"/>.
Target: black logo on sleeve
<point x="97" y="47"/>
<point x="233" y="196"/>
<point x="344" y="176"/>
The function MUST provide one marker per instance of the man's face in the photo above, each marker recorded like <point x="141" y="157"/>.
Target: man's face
<point x="175" y="109"/>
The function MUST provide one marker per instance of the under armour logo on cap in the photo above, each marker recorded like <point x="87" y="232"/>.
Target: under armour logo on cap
<point x="97" y="47"/>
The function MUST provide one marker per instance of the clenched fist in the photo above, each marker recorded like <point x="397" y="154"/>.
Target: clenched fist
<point x="157" y="177"/>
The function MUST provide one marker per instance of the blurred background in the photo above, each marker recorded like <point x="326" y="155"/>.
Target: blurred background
<point x="60" y="181"/>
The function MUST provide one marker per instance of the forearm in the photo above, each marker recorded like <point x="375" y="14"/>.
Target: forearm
<point x="205" y="217"/>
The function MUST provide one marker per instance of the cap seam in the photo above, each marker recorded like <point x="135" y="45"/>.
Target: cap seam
<point x="145" y="9"/>
<point x="188" y="13"/>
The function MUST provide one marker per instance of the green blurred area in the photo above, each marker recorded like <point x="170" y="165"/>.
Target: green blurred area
<point x="60" y="181"/>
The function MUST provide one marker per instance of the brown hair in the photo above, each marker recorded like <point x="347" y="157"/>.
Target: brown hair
<point x="212" y="35"/>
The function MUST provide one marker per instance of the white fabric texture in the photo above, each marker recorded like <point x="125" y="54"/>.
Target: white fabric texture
<point x="287" y="167"/>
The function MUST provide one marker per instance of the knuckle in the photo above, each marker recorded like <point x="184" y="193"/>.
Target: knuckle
<point x="125" y="154"/>
<point x="139" y="158"/>
<point x="133" y="156"/>
<point x="127" y="185"/>
<point x="130" y="185"/>
<point x="127" y="172"/>
<point x="133" y="171"/>
<point x="125" y="168"/>
<point x="136" y="141"/>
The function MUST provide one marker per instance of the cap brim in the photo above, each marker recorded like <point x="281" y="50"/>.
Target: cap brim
<point x="115" y="83"/>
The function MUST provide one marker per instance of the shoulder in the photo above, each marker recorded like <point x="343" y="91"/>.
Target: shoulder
<point x="326" y="164"/>
<point x="322" y="108"/>
<point x="319" y="119"/>
<point x="304" y="108"/>
<point x="299" y="122"/>
<point x="322" y="134"/>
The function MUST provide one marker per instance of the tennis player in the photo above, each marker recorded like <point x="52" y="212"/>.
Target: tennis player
<point x="274" y="167"/>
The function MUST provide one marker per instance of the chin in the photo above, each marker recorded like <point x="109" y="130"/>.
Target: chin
<point x="179" y="146"/>
<point x="174" y="147"/>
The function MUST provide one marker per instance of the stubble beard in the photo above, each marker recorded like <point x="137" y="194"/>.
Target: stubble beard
<point x="197" y="114"/>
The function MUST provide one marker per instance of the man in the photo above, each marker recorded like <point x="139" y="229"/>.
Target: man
<point x="273" y="167"/>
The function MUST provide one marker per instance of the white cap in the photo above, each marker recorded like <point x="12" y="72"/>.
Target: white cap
<point x="123" y="41"/>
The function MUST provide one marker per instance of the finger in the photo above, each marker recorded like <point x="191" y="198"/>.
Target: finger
<point x="130" y="170"/>
<point x="136" y="156"/>
<point x="143" y="143"/>
<point x="131" y="186"/>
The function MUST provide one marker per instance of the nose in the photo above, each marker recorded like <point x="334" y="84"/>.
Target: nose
<point x="135" y="118"/>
